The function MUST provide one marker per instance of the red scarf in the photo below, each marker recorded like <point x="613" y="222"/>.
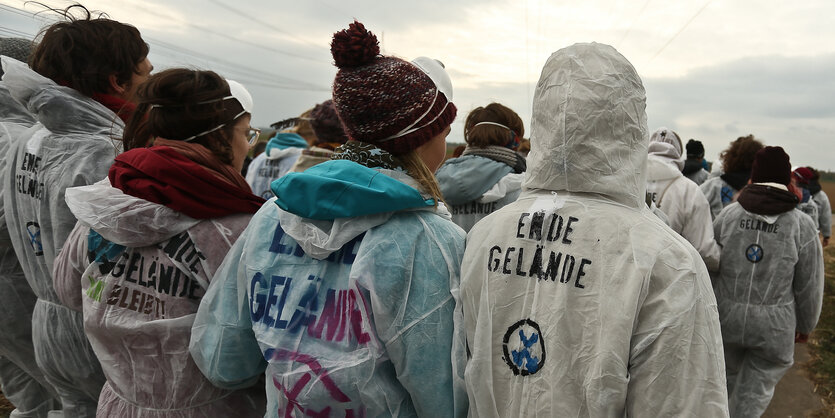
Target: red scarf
<point x="122" y="108"/>
<point x="191" y="182"/>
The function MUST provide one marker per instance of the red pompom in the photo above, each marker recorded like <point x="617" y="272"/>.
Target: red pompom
<point x="354" y="47"/>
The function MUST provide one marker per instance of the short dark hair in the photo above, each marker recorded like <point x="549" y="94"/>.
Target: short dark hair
<point x="485" y="135"/>
<point x="82" y="52"/>
<point x="179" y="103"/>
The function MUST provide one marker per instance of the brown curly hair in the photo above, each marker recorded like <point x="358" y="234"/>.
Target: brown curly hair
<point x="739" y="156"/>
<point x="486" y="135"/>
<point x="178" y="103"/>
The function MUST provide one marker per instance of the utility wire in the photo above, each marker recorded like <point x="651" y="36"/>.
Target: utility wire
<point x="284" y="82"/>
<point x="707" y="3"/>
<point x="631" y="24"/>
<point x="265" y="24"/>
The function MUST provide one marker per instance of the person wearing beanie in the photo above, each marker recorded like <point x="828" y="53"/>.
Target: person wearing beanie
<point x="770" y="282"/>
<point x="722" y="190"/>
<point x="343" y="291"/>
<point x="824" y="208"/>
<point x="687" y="209"/>
<point x="694" y="164"/>
<point x="578" y="300"/>
<point x="329" y="136"/>
<point x="84" y="73"/>
<point x="22" y="382"/>
<point x="488" y="174"/>
<point x="800" y="179"/>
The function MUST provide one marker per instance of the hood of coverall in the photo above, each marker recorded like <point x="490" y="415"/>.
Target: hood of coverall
<point x="589" y="126"/>
<point x="332" y="203"/>
<point x="124" y="219"/>
<point x="60" y="109"/>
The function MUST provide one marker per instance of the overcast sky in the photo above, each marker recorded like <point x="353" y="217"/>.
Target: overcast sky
<point x="713" y="70"/>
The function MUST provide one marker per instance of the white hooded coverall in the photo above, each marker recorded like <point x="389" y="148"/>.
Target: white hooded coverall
<point x="70" y="145"/>
<point x="578" y="301"/>
<point x="770" y="285"/>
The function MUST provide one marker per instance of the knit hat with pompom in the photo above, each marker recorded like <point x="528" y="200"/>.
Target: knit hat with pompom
<point x="382" y="100"/>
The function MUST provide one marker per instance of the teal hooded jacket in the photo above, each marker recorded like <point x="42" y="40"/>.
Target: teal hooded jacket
<point x="343" y="291"/>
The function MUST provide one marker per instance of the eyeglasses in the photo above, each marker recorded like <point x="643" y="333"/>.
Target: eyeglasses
<point x="253" y="134"/>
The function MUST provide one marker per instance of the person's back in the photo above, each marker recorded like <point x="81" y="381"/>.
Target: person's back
<point x="150" y="238"/>
<point x="22" y="382"/>
<point x="343" y="290"/>
<point x="770" y="283"/>
<point x="282" y="152"/>
<point x="694" y="164"/>
<point x="687" y="209"/>
<point x="488" y="175"/>
<point x="578" y="301"/>
<point x="79" y="90"/>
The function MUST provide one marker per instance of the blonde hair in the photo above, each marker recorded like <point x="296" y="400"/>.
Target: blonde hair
<point x="416" y="168"/>
<point x="304" y="128"/>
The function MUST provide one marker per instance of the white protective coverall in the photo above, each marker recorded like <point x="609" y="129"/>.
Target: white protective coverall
<point x="139" y="270"/>
<point x="770" y="285"/>
<point x="476" y="186"/>
<point x="686" y="207"/>
<point x="356" y="315"/>
<point x="578" y="301"/>
<point x="824" y="213"/>
<point x="71" y="145"/>
<point x="21" y="380"/>
<point x="718" y="194"/>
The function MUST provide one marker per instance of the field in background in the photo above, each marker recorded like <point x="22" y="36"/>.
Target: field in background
<point x="822" y="342"/>
<point x="829" y="189"/>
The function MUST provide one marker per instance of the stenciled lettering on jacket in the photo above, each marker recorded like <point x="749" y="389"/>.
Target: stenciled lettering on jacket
<point x="525" y="260"/>
<point x="26" y="178"/>
<point x="758" y="225"/>
<point x="474" y="208"/>
<point x="140" y="281"/>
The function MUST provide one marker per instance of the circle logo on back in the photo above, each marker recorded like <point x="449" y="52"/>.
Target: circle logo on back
<point x="754" y="253"/>
<point x="524" y="348"/>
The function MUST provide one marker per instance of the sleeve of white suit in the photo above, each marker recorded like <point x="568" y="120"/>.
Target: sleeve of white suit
<point x="824" y="213"/>
<point x="676" y="366"/>
<point x="808" y="285"/>
<point x="698" y="230"/>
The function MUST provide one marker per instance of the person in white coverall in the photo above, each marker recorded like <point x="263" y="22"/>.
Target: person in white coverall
<point x="578" y="301"/>
<point x="149" y="239"/>
<point x="21" y="381"/>
<point x="770" y="283"/>
<point x="80" y="92"/>
<point x="824" y="208"/>
<point x="687" y="209"/>
<point x="343" y="290"/>
<point x="488" y="175"/>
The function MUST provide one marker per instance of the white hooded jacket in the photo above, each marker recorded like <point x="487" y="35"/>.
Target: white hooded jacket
<point x="686" y="207"/>
<point x="578" y="301"/>
<point x="139" y="270"/>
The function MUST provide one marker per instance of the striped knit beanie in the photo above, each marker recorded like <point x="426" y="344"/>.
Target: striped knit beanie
<point x="382" y="100"/>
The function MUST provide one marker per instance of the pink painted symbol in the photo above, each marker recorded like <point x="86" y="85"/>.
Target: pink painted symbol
<point x="317" y="371"/>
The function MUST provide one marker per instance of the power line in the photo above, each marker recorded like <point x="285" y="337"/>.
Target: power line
<point x="631" y="24"/>
<point x="232" y="38"/>
<point x="285" y="82"/>
<point x="681" y="30"/>
<point x="265" y="24"/>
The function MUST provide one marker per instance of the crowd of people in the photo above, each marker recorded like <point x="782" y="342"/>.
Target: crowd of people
<point x="149" y="267"/>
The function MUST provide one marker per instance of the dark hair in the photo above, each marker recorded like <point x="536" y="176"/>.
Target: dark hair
<point x="179" y="103"/>
<point x="739" y="157"/>
<point x="485" y="135"/>
<point x="83" y="52"/>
